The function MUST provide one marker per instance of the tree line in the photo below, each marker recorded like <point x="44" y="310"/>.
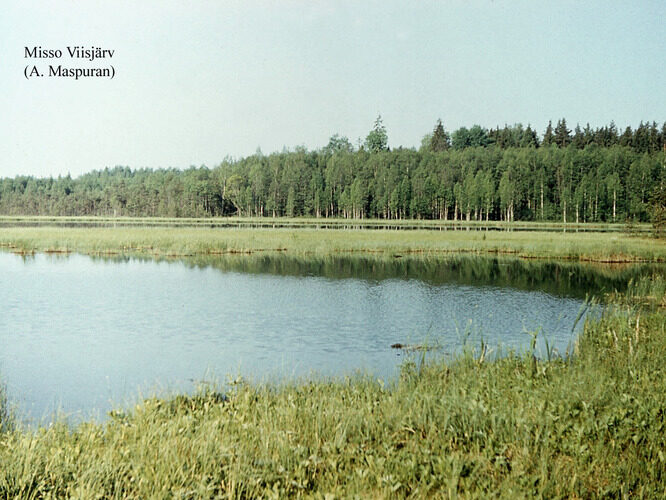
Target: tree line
<point x="507" y="174"/>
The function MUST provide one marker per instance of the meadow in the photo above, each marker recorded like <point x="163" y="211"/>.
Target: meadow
<point x="480" y="424"/>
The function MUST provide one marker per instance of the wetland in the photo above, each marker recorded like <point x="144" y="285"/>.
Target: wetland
<point x="84" y="334"/>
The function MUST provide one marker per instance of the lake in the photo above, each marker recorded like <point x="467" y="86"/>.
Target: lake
<point x="82" y="335"/>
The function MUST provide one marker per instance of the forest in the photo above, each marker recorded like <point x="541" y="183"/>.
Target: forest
<point x="506" y="174"/>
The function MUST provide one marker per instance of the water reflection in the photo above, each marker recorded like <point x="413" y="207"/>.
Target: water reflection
<point x="85" y="333"/>
<point x="560" y="278"/>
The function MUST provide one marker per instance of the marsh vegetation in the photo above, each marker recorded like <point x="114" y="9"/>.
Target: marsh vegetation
<point x="525" y="423"/>
<point x="588" y="425"/>
<point x="615" y="247"/>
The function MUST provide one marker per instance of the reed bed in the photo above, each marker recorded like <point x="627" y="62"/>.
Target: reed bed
<point x="478" y="426"/>
<point x="161" y="241"/>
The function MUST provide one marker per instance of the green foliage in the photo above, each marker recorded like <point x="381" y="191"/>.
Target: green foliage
<point x="377" y="139"/>
<point x="475" y="137"/>
<point x="562" y="136"/>
<point x="588" y="178"/>
<point x="548" y="136"/>
<point x="440" y="140"/>
<point x="659" y="209"/>
<point x="338" y="143"/>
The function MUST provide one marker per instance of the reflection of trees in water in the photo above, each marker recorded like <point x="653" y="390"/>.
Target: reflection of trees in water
<point x="554" y="277"/>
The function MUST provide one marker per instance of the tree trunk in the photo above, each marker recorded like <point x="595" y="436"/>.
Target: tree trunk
<point x="542" y="201"/>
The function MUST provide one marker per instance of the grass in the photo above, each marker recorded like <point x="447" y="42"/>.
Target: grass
<point x="189" y="241"/>
<point x="593" y="424"/>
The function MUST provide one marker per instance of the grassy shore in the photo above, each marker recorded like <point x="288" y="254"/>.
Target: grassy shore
<point x="590" y="425"/>
<point x="477" y="426"/>
<point x="189" y="241"/>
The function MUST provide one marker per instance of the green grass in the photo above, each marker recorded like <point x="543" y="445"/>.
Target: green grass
<point x="166" y="241"/>
<point x="593" y="424"/>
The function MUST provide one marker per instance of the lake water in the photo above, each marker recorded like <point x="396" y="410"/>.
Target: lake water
<point x="83" y="335"/>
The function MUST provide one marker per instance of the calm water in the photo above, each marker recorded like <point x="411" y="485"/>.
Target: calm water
<point x="84" y="335"/>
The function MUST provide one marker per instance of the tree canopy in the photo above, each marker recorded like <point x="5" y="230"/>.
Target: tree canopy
<point x="377" y="139"/>
<point x="499" y="174"/>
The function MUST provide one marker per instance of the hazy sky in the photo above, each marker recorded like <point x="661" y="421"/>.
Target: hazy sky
<point x="197" y="81"/>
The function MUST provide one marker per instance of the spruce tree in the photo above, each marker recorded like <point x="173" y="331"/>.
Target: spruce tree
<point x="440" y="140"/>
<point x="529" y="138"/>
<point x="589" y="134"/>
<point x="578" y="138"/>
<point x="562" y="134"/>
<point x="627" y="137"/>
<point x="548" y="134"/>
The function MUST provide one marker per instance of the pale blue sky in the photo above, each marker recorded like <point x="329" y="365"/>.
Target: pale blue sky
<point x="200" y="80"/>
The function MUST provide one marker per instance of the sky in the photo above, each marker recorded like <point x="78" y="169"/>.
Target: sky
<point x="199" y="81"/>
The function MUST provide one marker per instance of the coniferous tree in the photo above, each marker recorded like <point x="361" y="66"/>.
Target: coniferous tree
<point x="626" y="137"/>
<point x="562" y="134"/>
<point x="613" y="136"/>
<point x="654" y="143"/>
<point x="548" y="137"/>
<point x="529" y="138"/>
<point x="588" y="133"/>
<point x="641" y="140"/>
<point x="578" y="140"/>
<point x="440" y="140"/>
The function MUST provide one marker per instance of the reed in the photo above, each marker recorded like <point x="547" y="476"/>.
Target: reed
<point x="188" y="241"/>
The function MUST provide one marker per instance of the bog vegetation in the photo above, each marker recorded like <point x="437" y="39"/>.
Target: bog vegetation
<point x="309" y="242"/>
<point x="601" y="175"/>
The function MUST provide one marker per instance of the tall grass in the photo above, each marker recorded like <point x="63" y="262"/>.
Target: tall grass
<point x="6" y="419"/>
<point x="160" y="241"/>
<point x="592" y="424"/>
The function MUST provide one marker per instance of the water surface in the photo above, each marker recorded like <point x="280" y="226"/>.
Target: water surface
<point x="84" y="334"/>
